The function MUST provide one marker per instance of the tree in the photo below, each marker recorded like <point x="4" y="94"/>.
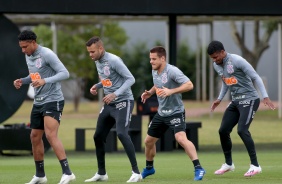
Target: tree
<point x="260" y="43"/>
<point x="72" y="50"/>
<point x="138" y="62"/>
<point x="186" y="61"/>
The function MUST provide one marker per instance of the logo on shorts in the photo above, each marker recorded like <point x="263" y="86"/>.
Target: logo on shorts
<point x="48" y="112"/>
<point x="121" y="105"/>
<point x="175" y="121"/>
<point x="254" y="112"/>
<point x="245" y="102"/>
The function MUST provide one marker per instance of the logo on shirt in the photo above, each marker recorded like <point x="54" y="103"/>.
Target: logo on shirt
<point x="230" y="81"/>
<point x="34" y="76"/>
<point x="107" y="70"/>
<point x="167" y="111"/>
<point x="38" y="63"/>
<point x="106" y="82"/>
<point x="164" y="78"/>
<point x="230" y="68"/>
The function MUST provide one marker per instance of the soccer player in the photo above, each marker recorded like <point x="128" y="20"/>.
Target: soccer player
<point x="45" y="73"/>
<point x="238" y="76"/>
<point x="169" y="83"/>
<point x="116" y="81"/>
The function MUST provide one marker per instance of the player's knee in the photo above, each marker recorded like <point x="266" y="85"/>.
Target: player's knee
<point x="242" y="132"/>
<point x="149" y="142"/>
<point x="222" y="131"/>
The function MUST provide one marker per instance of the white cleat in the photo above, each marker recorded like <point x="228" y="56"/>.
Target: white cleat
<point x="98" y="177"/>
<point x="253" y="171"/>
<point x="38" y="180"/>
<point x="225" y="168"/>
<point x="66" y="179"/>
<point x="134" y="178"/>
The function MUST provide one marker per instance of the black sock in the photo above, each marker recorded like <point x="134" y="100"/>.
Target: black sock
<point x="228" y="157"/>
<point x="65" y="167"/>
<point x="101" y="171"/>
<point x="39" y="165"/>
<point x="149" y="164"/>
<point x="197" y="164"/>
<point x="135" y="170"/>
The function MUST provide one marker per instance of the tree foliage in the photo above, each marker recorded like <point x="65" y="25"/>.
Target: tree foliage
<point x="261" y="43"/>
<point x="72" y="50"/>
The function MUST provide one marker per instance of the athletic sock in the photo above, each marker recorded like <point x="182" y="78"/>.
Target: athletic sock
<point x="135" y="170"/>
<point x="102" y="171"/>
<point x="228" y="158"/>
<point x="39" y="165"/>
<point x="149" y="164"/>
<point x="197" y="164"/>
<point x="65" y="167"/>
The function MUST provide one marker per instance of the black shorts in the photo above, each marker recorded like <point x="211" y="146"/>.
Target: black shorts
<point x="159" y="124"/>
<point x="52" y="109"/>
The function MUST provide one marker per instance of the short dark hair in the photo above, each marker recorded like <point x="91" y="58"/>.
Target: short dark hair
<point x="93" y="40"/>
<point x="27" y="35"/>
<point x="159" y="50"/>
<point x="215" y="46"/>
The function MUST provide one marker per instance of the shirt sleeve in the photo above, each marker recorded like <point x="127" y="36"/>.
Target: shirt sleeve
<point x="26" y="80"/>
<point x="247" y="68"/>
<point x="223" y="91"/>
<point x="123" y="71"/>
<point x="56" y="64"/>
<point x="99" y="85"/>
<point x="178" y="76"/>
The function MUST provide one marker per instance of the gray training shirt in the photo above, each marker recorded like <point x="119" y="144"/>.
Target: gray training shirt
<point x="171" y="77"/>
<point x="238" y="75"/>
<point x="115" y="77"/>
<point x="45" y="64"/>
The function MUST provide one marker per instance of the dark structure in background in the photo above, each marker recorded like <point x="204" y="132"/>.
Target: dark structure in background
<point x="12" y="66"/>
<point x="169" y="8"/>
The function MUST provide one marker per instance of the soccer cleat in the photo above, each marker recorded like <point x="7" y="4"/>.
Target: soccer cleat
<point x="38" y="180"/>
<point x="253" y="171"/>
<point x="225" y="168"/>
<point x="147" y="172"/>
<point x="66" y="179"/>
<point x="199" y="174"/>
<point x="98" y="177"/>
<point x="134" y="178"/>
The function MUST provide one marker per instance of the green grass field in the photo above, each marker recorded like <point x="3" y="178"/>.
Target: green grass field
<point x="172" y="167"/>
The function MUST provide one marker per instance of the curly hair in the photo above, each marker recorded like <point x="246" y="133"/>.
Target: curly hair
<point x="27" y="35"/>
<point x="215" y="46"/>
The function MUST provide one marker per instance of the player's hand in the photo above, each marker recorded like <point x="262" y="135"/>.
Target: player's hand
<point x="164" y="92"/>
<point x="18" y="83"/>
<point x="145" y="95"/>
<point x="109" y="98"/>
<point x="93" y="90"/>
<point x="215" y="104"/>
<point x="267" y="102"/>
<point x="38" y="83"/>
